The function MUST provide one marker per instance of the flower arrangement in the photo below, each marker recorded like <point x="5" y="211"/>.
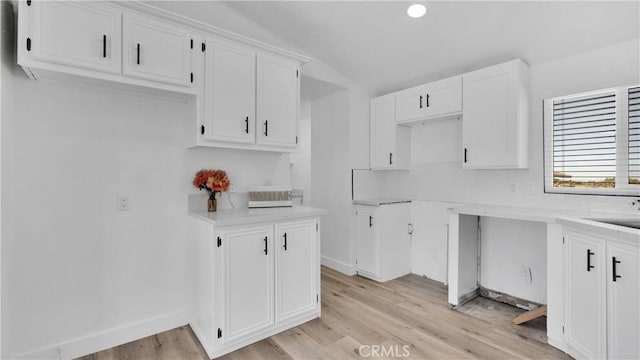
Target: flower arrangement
<point x="214" y="181"/>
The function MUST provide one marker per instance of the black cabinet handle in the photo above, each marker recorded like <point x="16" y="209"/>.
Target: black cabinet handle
<point x="266" y="251"/>
<point x="104" y="46"/>
<point x="589" y="266"/>
<point x="390" y="158"/>
<point x="420" y="101"/>
<point x="285" y="241"/>
<point x="614" y="262"/>
<point x="246" y="125"/>
<point x="465" y="155"/>
<point x="138" y="54"/>
<point x="427" y="100"/>
<point x="370" y="221"/>
<point x="266" y="128"/>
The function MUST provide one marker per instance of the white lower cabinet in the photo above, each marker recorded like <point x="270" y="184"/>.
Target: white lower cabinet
<point x="254" y="281"/>
<point x="296" y="269"/>
<point x="247" y="284"/>
<point x="602" y="316"/>
<point x="383" y="242"/>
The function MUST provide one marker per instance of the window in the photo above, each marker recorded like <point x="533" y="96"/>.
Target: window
<point x="592" y="142"/>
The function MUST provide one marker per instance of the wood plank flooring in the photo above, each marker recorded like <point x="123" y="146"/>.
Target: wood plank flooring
<point x="407" y="316"/>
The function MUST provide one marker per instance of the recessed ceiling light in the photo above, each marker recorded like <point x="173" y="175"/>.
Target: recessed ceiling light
<point x="416" y="10"/>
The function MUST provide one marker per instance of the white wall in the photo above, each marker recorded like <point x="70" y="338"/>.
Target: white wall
<point x="5" y="43"/>
<point x="330" y="172"/>
<point x="301" y="160"/>
<point x="437" y="173"/>
<point x="506" y="247"/>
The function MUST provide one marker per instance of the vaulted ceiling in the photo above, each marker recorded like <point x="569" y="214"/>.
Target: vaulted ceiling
<point x="376" y="44"/>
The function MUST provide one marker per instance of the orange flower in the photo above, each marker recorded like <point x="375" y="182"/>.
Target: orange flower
<point x="211" y="180"/>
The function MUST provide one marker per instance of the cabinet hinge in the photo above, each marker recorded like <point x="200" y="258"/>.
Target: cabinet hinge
<point x="317" y="298"/>
<point x="297" y="73"/>
<point x="296" y="139"/>
<point x="316" y="226"/>
<point x="202" y="129"/>
<point x="28" y="2"/>
<point x="191" y="43"/>
<point x="191" y="77"/>
<point x="204" y="47"/>
<point x="563" y="329"/>
<point x="219" y="241"/>
<point x="28" y="44"/>
<point x="219" y="333"/>
<point x="563" y="239"/>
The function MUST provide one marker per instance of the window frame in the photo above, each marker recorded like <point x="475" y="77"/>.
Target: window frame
<point x="622" y="186"/>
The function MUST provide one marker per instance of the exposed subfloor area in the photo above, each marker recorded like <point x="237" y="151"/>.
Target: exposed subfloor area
<point x="407" y="316"/>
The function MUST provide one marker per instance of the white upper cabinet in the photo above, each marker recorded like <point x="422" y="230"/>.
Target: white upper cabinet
<point x="410" y="104"/>
<point x="444" y="98"/>
<point x="495" y="121"/>
<point x="390" y="144"/>
<point x="431" y="101"/>
<point x="247" y="93"/>
<point x="230" y="88"/>
<point x="278" y="101"/>
<point x="75" y="33"/>
<point x="157" y="51"/>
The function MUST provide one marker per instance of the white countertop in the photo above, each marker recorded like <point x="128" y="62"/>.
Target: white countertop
<point x="380" y="201"/>
<point x="246" y="216"/>
<point x="551" y="215"/>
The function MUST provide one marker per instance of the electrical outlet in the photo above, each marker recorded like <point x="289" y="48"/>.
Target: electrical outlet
<point x="525" y="271"/>
<point x="123" y="203"/>
<point x="529" y="187"/>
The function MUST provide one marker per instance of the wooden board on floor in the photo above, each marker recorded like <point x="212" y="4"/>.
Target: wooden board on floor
<point x="530" y="315"/>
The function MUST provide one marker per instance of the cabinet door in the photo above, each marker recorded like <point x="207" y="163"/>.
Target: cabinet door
<point x="75" y="33"/>
<point x="230" y="87"/>
<point x="383" y="132"/>
<point x="411" y="104"/>
<point x="156" y="51"/>
<point x="623" y="302"/>
<point x="278" y="101"/>
<point x="248" y="281"/>
<point x="494" y="123"/>
<point x="443" y="97"/>
<point x="367" y="247"/>
<point x="296" y="269"/>
<point x="586" y="296"/>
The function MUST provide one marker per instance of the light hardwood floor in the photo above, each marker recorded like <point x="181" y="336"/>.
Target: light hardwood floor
<point x="411" y="311"/>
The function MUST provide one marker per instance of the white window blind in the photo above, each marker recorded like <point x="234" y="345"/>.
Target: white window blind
<point x="584" y="141"/>
<point x="592" y="142"/>
<point x="634" y="135"/>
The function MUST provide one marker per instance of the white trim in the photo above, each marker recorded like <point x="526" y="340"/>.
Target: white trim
<point x="108" y="338"/>
<point x="339" y="266"/>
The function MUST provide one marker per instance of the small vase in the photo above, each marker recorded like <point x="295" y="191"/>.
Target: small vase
<point x="212" y="203"/>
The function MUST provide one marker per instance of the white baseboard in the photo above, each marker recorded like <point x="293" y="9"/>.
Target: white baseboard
<point x="108" y="338"/>
<point x="338" y="265"/>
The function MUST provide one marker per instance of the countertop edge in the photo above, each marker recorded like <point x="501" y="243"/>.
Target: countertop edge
<point x="244" y="216"/>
